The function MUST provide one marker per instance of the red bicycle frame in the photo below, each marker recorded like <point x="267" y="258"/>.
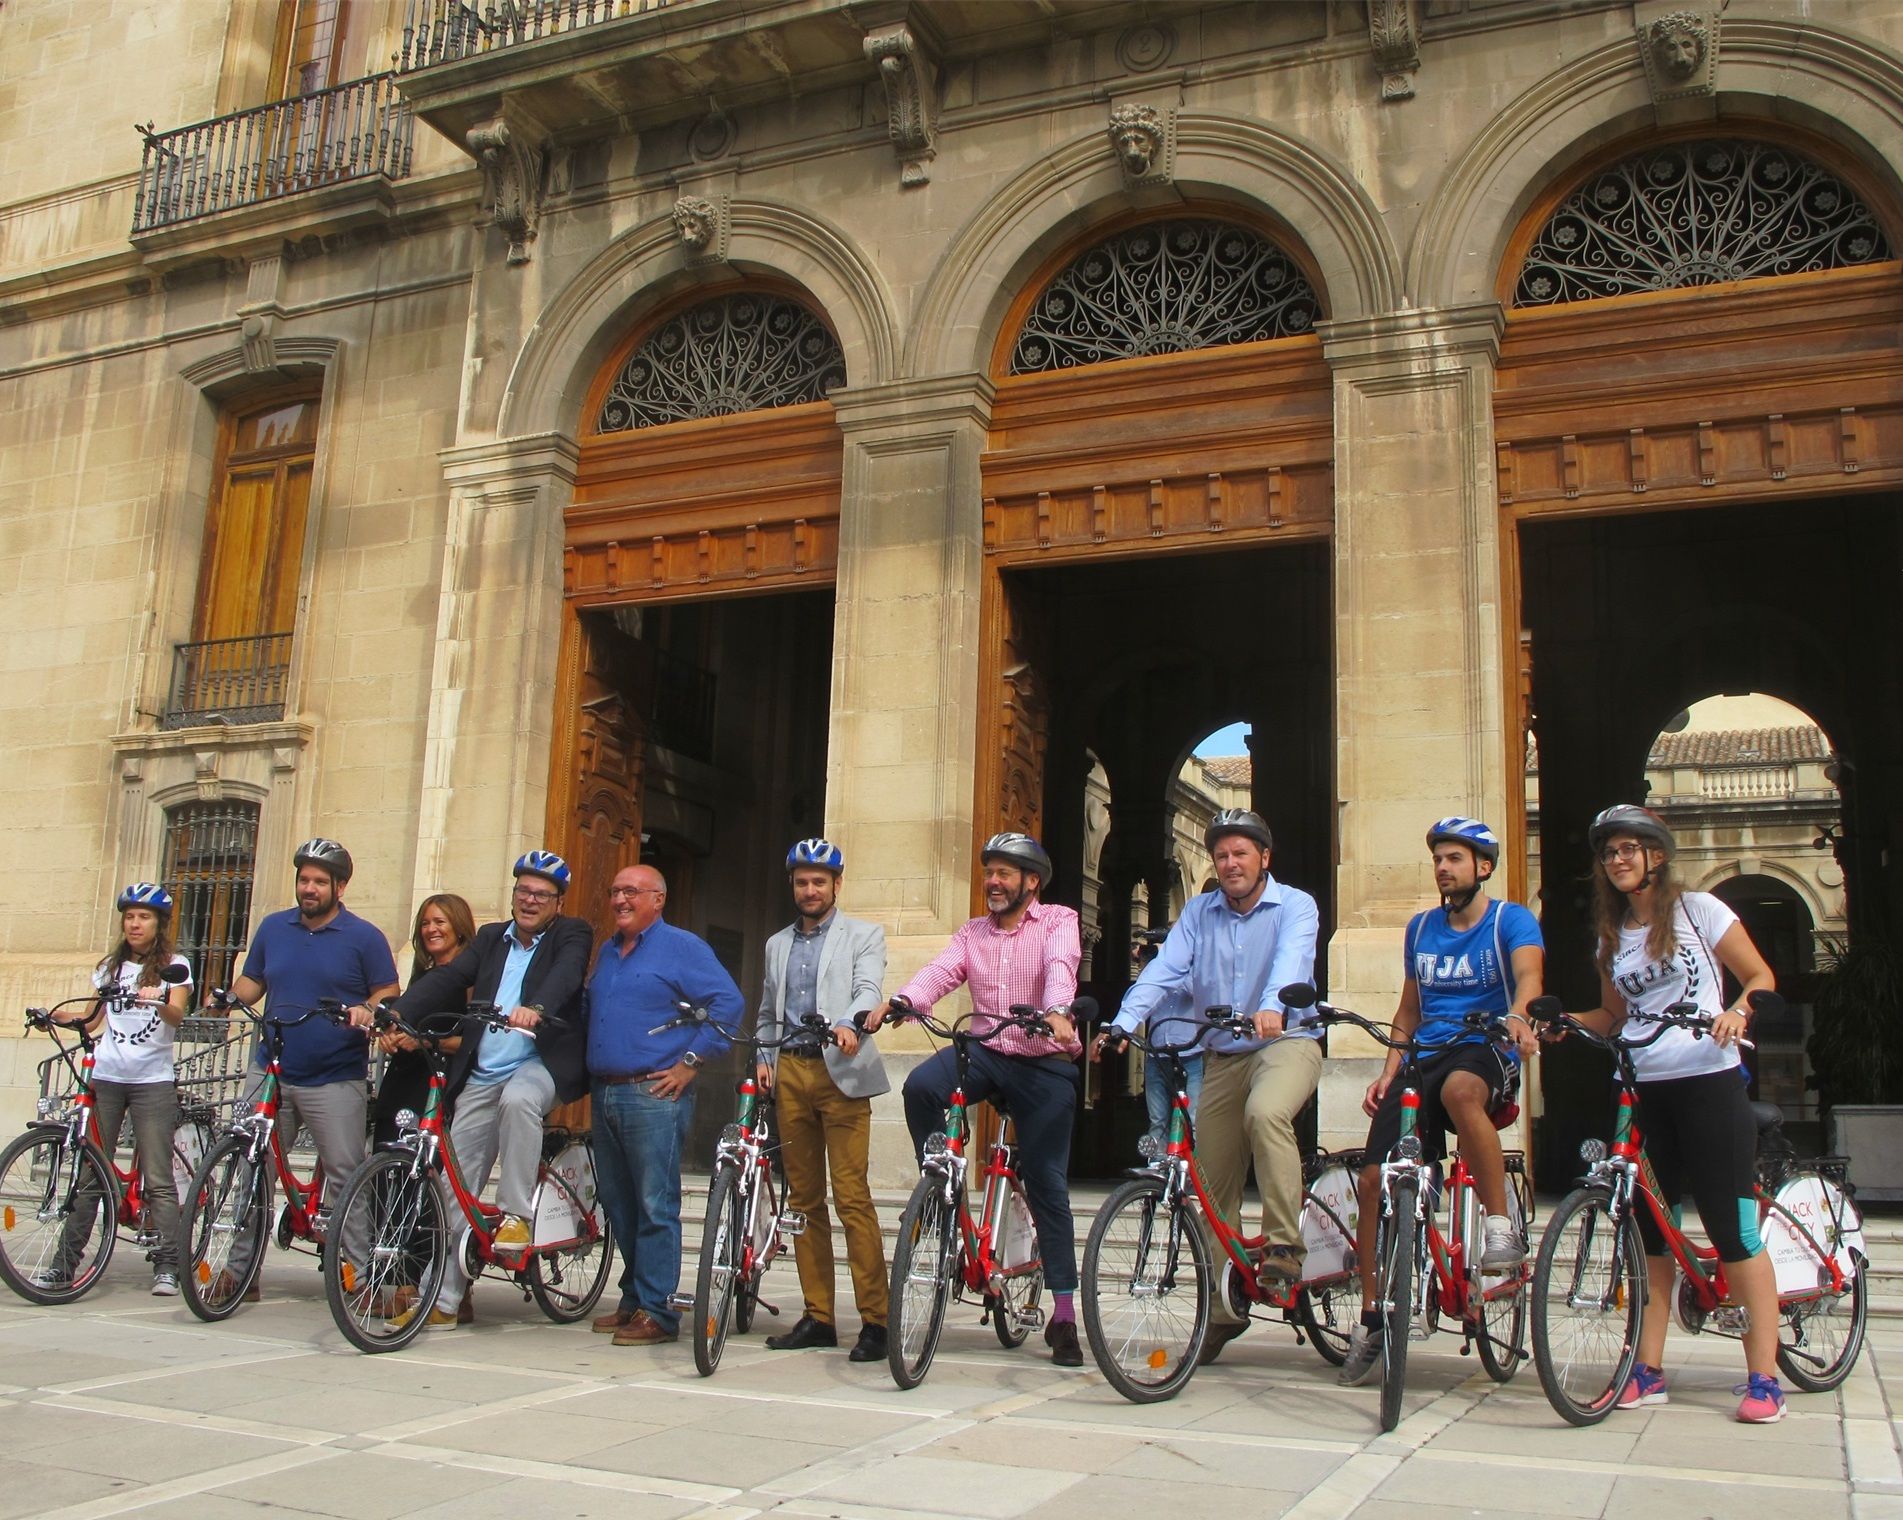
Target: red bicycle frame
<point x="979" y="1258"/>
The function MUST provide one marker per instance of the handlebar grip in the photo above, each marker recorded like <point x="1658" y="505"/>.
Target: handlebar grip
<point x="1545" y="1008"/>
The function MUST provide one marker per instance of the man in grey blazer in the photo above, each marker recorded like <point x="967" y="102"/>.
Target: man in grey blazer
<point x="827" y="964"/>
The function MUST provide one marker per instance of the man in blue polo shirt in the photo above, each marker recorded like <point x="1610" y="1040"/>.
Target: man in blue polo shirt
<point x="644" y="1091"/>
<point x="317" y="950"/>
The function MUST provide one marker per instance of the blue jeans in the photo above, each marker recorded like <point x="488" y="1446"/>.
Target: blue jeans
<point x="638" y="1140"/>
<point x="1158" y="1094"/>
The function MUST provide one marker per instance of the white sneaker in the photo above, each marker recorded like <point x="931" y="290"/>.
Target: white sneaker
<point x="165" y="1285"/>
<point x="1504" y="1247"/>
<point x="1364" y="1355"/>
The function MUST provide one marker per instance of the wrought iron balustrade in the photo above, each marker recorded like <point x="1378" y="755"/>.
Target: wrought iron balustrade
<point x="442" y="31"/>
<point x="349" y="131"/>
<point x="229" y="681"/>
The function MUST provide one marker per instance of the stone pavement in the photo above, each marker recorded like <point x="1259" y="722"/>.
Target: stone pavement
<point x="126" y="1404"/>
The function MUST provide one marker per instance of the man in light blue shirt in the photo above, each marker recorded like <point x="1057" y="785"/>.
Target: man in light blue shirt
<point x="1236" y="948"/>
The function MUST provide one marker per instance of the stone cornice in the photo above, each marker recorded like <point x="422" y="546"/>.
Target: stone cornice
<point x="1404" y="339"/>
<point x="165" y="741"/>
<point x="907" y="407"/>
<point x="529" y="457"/>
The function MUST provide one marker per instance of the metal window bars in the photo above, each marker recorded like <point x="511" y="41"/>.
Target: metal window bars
<point x="442" y="31"/>
<point x="210" y="850"/>
<point x="229" y="681"/>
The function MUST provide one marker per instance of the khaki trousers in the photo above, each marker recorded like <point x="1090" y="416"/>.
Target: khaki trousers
<point x="822" y="1130"/>
<point x="1247" y="1108"/>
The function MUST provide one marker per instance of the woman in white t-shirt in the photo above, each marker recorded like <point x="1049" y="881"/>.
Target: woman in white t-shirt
<point x="1659" y="946"/>
<point x="133" y="1072"/>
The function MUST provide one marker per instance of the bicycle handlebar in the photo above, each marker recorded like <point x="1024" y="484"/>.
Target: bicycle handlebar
<point x="1299" y="995"/>
<point x="1221" y="1019"/>
<point x="327" y="1008"/>
<point x="1548" y="1010"/>
<point x="387" y="1017"/>
<point x="1022" y="1016"/>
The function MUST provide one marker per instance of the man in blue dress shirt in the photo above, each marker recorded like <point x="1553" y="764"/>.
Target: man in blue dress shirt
<point x="644" y="1091"/>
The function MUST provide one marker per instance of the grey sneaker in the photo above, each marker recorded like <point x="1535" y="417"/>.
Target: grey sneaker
<point x="1504" y="1246"/>
<point x="1364" y="1355"/>
<point x="165" y="1285"/>
<point x="54" y="1278"/>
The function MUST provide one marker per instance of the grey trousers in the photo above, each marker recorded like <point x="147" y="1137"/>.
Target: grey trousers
<point x="337" y="1115"/>
<point x="154" y="1110"/>
<point x="503" y="1117"/>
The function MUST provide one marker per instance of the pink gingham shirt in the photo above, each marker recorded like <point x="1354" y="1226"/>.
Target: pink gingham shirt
<point x="1035" y="963"/>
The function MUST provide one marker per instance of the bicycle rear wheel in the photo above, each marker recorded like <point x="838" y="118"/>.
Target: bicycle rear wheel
<point x="1500" y="1335"/>
<point x="57" y="1225"/>
<point x="1147" y="1290"/>
<point x="1394" y="1298"/>
<point x="1588" y="1294"/>
<point x="1819" y="1338"/>
<point x="924" y="1267"/>
<point x="717" y="1281"/>
<point x="221" y="1230"/>
<point x="1019" y="1293"/>
<point x="389" y="1249"/>
<point x="1329" y="1313"/>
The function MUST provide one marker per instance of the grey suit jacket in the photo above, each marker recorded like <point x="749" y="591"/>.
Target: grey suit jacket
<point x="851" y="972"/>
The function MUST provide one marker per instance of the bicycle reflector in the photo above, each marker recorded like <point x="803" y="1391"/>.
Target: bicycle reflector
<point x="1592" y="1152"/>
<point x="1408" y="1148"/>
<point x="1149" y="1148"/>
<point x="937" y="1146"/>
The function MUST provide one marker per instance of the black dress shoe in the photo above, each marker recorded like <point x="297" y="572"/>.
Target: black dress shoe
<point x="807" y="1331"/>
<point x="1061" y="1336"/>
<point x="870" y="1347"/>
<point x="1216" y="1337"/>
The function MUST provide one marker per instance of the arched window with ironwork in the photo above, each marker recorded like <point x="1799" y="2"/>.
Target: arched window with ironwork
<point x="744" y="351"/>
<point x="1164" y="288"/>
<point x="1703" y="212"/>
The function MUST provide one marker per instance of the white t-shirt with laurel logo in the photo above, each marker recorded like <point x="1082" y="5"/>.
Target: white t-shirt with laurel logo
<point x="136" y="1045"/>
<point x="1691" y="974"/>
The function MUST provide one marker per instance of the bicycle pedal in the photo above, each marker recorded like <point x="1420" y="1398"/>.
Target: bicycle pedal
<point x="683" y="1301"/>
<point x="1030" y="1318"/>
<point x="792" y="1224"/>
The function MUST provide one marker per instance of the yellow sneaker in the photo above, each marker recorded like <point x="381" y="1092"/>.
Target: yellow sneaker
<point x="513" y="1234"/>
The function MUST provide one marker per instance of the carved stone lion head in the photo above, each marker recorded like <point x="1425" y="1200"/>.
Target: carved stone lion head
<point x="696" y="222"/>
<point x="1136" y="132"/>
<point x="1678" y="43"/>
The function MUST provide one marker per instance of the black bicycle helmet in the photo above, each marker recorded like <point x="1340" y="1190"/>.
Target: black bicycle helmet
<point x="326" y="854"/>
<point x="1641" y="823"/>
<point x="1021" y="850"/>
<point x="1238" y="821"/>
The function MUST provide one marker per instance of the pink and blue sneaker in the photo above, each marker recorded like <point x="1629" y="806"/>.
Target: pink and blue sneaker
<point x="1647" y="1386"/>
<point x="1763" y="1402"/>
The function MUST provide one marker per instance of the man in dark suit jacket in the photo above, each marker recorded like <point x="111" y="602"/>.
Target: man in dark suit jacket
<point x="505" y="1081"/>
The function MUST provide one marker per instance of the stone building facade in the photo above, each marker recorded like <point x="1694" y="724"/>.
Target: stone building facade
<point x="673" y="428"/>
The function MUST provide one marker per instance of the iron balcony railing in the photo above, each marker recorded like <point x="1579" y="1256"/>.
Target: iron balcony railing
<point x="349" y="131"/>
<point x="229" y="681"/>
<point x="441" y="31"/>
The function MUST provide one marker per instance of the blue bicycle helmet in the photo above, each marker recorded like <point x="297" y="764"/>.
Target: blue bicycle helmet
<point x="146" y="894"/>
<point x="816" y="852"/>
<point x="1468" y="831"/>
<point x="544" y="863"/>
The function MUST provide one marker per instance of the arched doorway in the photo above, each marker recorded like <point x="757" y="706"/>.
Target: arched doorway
<point x="1157" y="507"/>
<point x="1699" y="424"/>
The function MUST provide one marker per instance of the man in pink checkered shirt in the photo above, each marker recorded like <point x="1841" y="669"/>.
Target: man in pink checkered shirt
<point x="1021" y="951"/>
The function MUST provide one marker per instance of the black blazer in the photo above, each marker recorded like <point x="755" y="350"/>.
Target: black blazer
<point x="554" y="982"/>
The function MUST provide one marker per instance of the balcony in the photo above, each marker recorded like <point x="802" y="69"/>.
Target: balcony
<point x="361" y="132"/>
<point x="442" y="31"/>
<point x="229" y="681"/>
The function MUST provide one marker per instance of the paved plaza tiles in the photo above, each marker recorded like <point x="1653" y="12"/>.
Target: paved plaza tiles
<point x="125" y="1404"/>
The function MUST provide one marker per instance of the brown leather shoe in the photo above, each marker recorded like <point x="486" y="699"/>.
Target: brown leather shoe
<point x="643" y="1329"/>
<point x="1281" y="1265"/>
<point x="227" y="1284"/>
<point x="609" y="1323"/>
<point x="1216" y="1337"/>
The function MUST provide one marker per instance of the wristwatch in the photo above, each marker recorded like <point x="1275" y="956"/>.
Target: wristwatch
<point x="691" y="1060"/>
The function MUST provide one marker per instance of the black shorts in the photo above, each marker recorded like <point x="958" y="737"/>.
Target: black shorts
<point x="1488" y="1062"/>
<point x="1700" y="1136"/>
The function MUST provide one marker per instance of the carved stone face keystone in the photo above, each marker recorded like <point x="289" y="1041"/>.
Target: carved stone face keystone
<point x="1136" y="132"/>
<point x="696" y="221"/>
<point x="1678" y="45"/>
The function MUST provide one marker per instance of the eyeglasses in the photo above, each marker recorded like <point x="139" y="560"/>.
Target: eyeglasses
<point x="615" y="894"/>
<point x="1626" y="851"/>
<point x="529" y="894"/>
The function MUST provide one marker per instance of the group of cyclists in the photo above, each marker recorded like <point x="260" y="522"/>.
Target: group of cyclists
<point x="1234" y="948"/>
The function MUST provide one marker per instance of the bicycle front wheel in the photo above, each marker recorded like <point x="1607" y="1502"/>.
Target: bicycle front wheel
<point x="227" y="1208"/>
<point x="717" y="1281"/>
<point x="389" y="1248"/>
<point x="57" y="1208"/>
<point x="1588" y="1296"/>
<point x="1147" y="1288"/>
<point x="924" y="1266"/>
<point x="1394" y="1298"/>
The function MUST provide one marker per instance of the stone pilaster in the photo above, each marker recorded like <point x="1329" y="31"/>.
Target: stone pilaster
<point x="492" y="686"/>
<point x="1418" y="705"/>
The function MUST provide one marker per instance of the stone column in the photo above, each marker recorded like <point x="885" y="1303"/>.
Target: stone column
<point x="1419" y="696"/>
<point x="498" y="631"/>
<point x="902" y="751"/>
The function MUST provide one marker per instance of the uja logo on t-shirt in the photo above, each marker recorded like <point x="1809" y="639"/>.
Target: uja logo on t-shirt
<point x="1634" y="984"/>
<point x="1452" y="970"/>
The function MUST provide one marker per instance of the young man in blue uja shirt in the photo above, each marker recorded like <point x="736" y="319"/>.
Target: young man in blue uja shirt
<point x="1471" y="954"/>
<point x="643" y="1087"/>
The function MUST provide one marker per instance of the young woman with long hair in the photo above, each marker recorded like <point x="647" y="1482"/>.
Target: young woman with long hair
<point x="443" y="928"/>
<point x="1660" y="945"/>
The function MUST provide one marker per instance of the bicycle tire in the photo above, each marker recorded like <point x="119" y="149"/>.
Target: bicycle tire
<point x="1018" y="1293"/>
<point x="1839" y="1321"/>
<point x="1599" y="1261"/>
<point x="1135" y="1297"/>
<point x="41" y="1216"/>
<point x="924" y="1266"/>
<point x="717" y="1277"/>
<point x="1394" y="1297"/>
<point x="588" y="1263"/>
<point x="766" y="1195"/>
<point x="1499" y="1331"/>
<point x="1328" y="1313"/>
<point x="226" y="1215"/>
<point x="393" y="1206"/>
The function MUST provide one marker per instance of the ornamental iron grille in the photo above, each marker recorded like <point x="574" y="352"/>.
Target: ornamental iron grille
<point x="210" y="859"/>
<point x="735" y="353"/>
<point x="1165" y="288"/>
<point x="1700" y="213"/>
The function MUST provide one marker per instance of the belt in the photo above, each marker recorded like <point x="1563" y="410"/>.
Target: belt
<point x="639" y="1076"/>
<point x="803" y="1053"/>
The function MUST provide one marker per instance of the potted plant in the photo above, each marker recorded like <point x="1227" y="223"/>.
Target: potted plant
<point x="1856" y="1051"/>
